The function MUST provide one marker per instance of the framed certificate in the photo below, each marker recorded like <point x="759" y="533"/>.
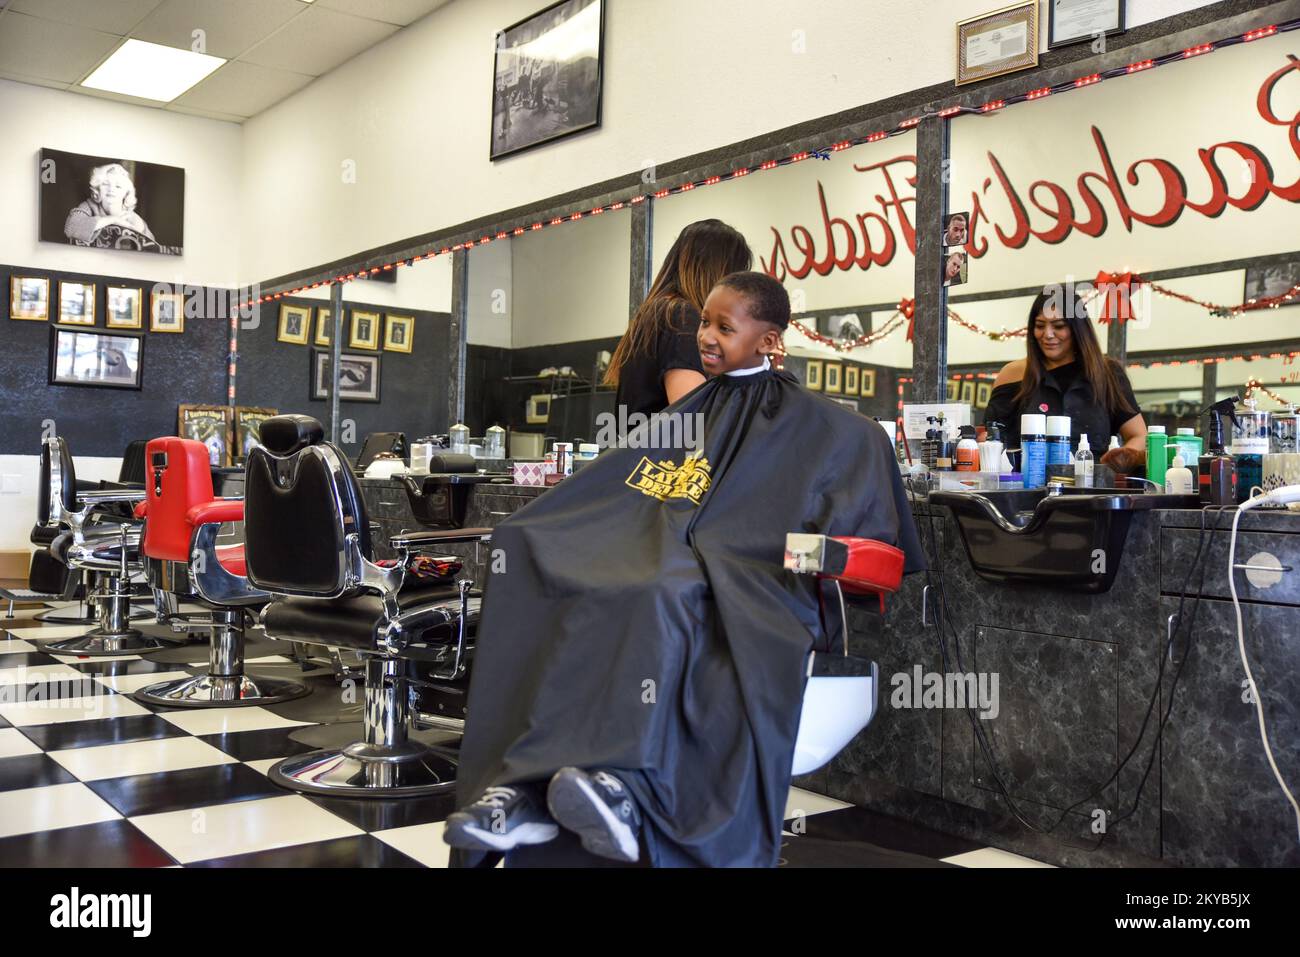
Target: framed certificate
<point x="1077" y="21"/>
<point x="999" y="42"/>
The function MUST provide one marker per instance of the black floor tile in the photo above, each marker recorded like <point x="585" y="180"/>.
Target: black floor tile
<point x="361" y="851"/>
<point x="122" y="667"/>
<point x="258" y="745"/>
<point x="799" y="852"/>
<point x="25" y="659"/>
<point x="377" y="814"/>
<point x="32" y="771"/>
<point x="3" y="723"/>
<point x="177" y="790"/>
<point x="108" y="844"/>
<point x="882" y="831"/>
<point x="89" y="734"/>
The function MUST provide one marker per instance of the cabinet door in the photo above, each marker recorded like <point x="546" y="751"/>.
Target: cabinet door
<point x="1222" y="806"/>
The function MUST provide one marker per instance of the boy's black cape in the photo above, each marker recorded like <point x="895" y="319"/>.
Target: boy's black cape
<point x="638" y="618"/>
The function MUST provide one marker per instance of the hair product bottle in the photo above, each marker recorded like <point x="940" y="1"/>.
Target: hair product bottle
<point x="1157" y="463"/>
<point x="1217" y="470"/>
<point x="1058" y="440"/>
<point x="968" y="451"/>
<point x="1033" y="449"/>
<point x="1083" y="464"/>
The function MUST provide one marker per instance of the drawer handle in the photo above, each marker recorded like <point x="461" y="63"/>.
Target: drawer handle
<point x="925" y="603"/>
<point x="1169" y="632"/>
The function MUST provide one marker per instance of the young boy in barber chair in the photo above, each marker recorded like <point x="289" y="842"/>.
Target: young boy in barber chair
<point x="640" y="669"/>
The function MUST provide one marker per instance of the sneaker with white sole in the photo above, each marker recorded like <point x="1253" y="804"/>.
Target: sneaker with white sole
<point x="599" y="809"/>
<point x="502" y="819"/>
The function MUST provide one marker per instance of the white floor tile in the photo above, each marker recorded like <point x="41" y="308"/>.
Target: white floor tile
<point x="27" y="675"/>
<point x="140" y="757"/>
<point x="801" y="802"/>
<point x="421" y="841"/>
<point x="13" y="743"/>
<point x="44" y="809"/>
<point x="992" y="857"/>
<point x="242" y="828"/>
<point x="24" y="714"/>
<point x="86" y="659"/>
<point x="225" y="720"/>
<point x="48" y="632"/>
<point x="129" y="684"/>
<point x="271" y="660"/>
<point x="264" y="765"/>
<point x="15" y="646"/>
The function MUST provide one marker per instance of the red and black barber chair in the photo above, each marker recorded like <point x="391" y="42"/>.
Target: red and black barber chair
<point x="307" y="543"/>
<point x="183" y="562"/>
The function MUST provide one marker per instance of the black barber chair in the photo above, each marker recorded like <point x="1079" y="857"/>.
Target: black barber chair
<point x="307" y="544"/>
<point x="96" y="537"/>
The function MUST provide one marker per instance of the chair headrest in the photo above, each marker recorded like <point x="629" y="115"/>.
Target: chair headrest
<point x="286" y="434"/>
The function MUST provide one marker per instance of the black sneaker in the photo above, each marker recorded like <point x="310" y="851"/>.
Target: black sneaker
<point x="599" y="809"/>
<point x="502" y="819"/>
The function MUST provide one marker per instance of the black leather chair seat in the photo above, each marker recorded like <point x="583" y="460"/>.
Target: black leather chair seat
<point x="59" y="545"/>
<point x="43" y="534"/>
<point x="358" y="622"/>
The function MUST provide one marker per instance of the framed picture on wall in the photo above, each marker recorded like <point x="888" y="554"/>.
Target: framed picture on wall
<point x="365" y="330"/>
<point x="83" y="357"/>
<point x="29" y="298"/>
<point x="295" y="324"/>
<point x="867" y="384"/>
<point x="167" y="312"/>
<point x="1265" y="282"/>
<point x="1075" y="21"/>
<point x="358" y="377"/>
<point x="111" y="203"/>
<point x="998" y="42"/>
<point x="209" y="424"/>
<point x="983" y="392"/>
<point x="76" y="303"/>
<point x="953" y="390"/>
<point x="122" y="307"/>
<point x="851" y="380"/>
<point x="814" y="382"/>
<point x="547" y="76"/>
<point x="248" y="428"/>
<point x="834" y="378"/>
<point x="399" y="333"/>
<point x="968" y="392"/>
<point x="324" y="327"/>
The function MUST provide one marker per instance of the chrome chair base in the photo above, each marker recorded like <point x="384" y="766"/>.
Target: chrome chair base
<point x="221" y="691"/>
<point x="100" y="642"/>
<point x="369" y="771"/>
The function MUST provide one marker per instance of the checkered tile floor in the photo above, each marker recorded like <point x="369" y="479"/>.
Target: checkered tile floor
<point x="89" y="777"/>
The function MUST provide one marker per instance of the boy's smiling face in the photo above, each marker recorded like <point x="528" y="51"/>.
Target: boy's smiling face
<point x="729" y="338"/>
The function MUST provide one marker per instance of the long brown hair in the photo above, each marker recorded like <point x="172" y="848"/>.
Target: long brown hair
<point x="1101" y="372"/>
<point x="703" y="253"/>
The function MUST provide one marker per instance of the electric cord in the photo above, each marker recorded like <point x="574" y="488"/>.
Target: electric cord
<point x="1245" y="663"/>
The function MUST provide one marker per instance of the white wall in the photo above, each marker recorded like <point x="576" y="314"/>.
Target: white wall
<point x="489" y="311"/>
<point x="18" y="502"/>
<point x="413" y="113"/>
<point x="208" y="150"/>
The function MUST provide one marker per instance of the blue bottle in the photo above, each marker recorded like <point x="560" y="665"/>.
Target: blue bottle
<point x="1033" y="449"/>
<point x="1058" y="440"/>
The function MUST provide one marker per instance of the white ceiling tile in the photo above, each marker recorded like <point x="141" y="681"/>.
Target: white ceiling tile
<point x="50" y="50"/>
<point x="206" y="114"/>
<point x="108" y="16"/>
<point x="318" y="41"/>
<point x="401" y="12"/>
<point x="230" y="26"/>
<point x="33" y="80"/>
<point x="244" y="89"/>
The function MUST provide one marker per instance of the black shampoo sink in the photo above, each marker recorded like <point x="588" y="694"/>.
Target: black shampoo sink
<point x="1073" y="540"/>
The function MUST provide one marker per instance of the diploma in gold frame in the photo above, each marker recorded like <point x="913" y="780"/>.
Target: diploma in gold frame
<point x="1002" y="41"/>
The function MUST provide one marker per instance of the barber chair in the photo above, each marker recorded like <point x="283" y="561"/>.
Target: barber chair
<point x="183" y="562"/>
<point x="98" y="539"/>
<point x="842" y="691"/>
<point x="307" y="543"/>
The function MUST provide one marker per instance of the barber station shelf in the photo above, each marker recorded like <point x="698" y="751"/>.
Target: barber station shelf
<point x="1072" y="541"/>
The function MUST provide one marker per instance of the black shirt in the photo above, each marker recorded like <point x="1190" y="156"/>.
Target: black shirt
<point x="1064" y="391"/>
<point x="641" y="380"/>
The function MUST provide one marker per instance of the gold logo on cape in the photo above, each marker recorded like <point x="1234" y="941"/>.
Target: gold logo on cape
<point x="666" y="480"/>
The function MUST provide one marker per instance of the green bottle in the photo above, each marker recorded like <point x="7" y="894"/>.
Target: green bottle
<point x="1156" y="462"/>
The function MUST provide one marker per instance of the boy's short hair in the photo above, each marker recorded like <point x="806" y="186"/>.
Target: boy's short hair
<point x="767" y="298"/>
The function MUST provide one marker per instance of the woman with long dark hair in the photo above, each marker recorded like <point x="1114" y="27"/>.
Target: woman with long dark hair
<point x="1065" y="373"/>
<point x="657" y="360"/>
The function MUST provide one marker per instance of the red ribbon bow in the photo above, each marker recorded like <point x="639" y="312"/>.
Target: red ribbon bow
<point x="908" y="308"/>
<point x="1116" y="291"/>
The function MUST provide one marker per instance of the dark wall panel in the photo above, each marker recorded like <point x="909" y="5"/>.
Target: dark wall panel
<point x="177" y="368"/>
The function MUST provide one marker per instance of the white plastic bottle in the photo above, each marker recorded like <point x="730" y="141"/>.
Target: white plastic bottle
<point x="1178" y="479"/>
<point x="1083" y="464"/>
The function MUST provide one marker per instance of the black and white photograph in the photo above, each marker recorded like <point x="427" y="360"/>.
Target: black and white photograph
<point x="842" y="328"/>
<point x="95" y="359"/>
<point x="358" y="377"/>
<point x="111" y="203"/>
<point x="1265" y="282"/>
<point x="365" y="330"/>
<point x="122" y="307"/>
<point x="167" y="312"/>
<point x="1075" y="21"/>
<point x="76" y="303"/>
<point x="324" y="327"/>
<point x="956" y="229"/>
<point x="547" y="76"/>
<point x="29" y="298"/>
<point x="295" y="324"/>
<point x="399" y="333"/>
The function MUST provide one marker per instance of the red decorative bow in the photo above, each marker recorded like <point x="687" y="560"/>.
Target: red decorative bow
<point x="908" y="308"/>
<point x="1116" y="291"/>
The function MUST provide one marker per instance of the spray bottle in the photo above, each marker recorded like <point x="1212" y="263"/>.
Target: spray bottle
<point x="1217" y="470"/>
